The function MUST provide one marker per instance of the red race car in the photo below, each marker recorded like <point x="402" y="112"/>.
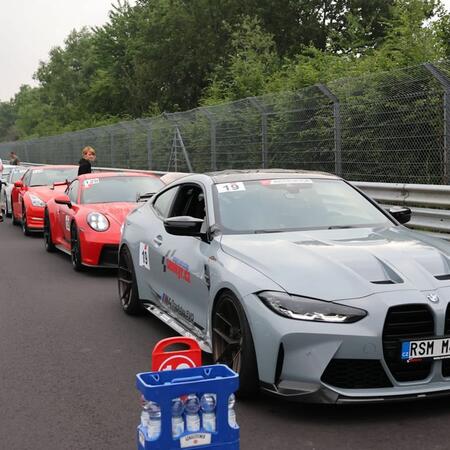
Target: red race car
<point x="86" y="220"/>
<point x="36" y="187"/>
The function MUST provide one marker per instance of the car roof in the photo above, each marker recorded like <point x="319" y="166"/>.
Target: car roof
<point x="231" y="176"/>
<point x="53" y="166"/>
<point x="87" y="176"/>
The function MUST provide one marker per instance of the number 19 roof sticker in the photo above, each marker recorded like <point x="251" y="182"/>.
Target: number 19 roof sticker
<point x="230" y="187"/>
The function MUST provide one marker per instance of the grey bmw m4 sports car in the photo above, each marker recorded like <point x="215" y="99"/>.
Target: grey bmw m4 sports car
<point x="298" y="281"/>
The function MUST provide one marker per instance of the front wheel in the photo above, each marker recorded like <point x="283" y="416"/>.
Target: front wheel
<point x="7" y="214"/>
<point x="25" y="229"/>
<point x="14" y="220"/>
<point x="48" y="241"/>
<point x="75" y="249"/>
<point x="128" y="290"/>
<point x="233" y="343"/>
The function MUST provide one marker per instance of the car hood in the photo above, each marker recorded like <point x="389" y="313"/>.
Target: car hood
<point x="46" y="193"/>
<point x="116" y="212"/>
<point x="347" y="263"/>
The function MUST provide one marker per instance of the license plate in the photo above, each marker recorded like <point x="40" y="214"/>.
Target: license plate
<point x="426" y="348"/>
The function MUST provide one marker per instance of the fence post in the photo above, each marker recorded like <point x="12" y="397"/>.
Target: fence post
<point x="445" y="83"/>
<point x="213" y="136"/>
<point x="264" y="146"/>
<point x="337" y="127"/>
<point x="148" y="127"/>
<point x="111" y="146"/>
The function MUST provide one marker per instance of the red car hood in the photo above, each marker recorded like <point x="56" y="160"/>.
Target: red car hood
<point x="114" y="211"/>
<point x="46" y="193"/>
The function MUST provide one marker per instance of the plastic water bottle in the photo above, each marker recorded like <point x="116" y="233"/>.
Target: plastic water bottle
<point x="145" y="415"/>
<point x="154" y="421"/>
<point x="177" y="417"/>
<point x="208" y="405"/>
<point x="231" y="412"/>
<point x="192" y="407"/>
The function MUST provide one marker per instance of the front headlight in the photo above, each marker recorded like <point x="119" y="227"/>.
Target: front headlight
<point x="97" y="221"/>
<point x="36" y="201"/>
<point x="303" y="308"/>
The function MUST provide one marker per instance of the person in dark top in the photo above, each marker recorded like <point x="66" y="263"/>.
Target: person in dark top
<point x="87" y="157"/>
<point x="13" y="159"/>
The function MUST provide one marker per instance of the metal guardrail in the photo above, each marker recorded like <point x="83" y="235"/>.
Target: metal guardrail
<point x="430" y="204"/>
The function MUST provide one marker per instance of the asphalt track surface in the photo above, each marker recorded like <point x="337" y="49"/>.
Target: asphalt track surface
<point x="69" y="355"/>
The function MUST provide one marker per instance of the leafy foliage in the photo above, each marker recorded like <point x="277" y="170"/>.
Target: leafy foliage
<point x="173" y="55"/>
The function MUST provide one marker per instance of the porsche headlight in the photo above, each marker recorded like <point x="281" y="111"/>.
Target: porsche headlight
<point x="303" y="308"/>
<point x="97" y="221"/>
<point x="36" y="201"/>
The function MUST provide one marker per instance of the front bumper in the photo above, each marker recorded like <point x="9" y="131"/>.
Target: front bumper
<point x="99" y="249"/>
<point x="306" y="360"/>
<point x="35" y="218"/>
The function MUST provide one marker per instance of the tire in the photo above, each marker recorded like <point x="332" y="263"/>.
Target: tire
<point x="127" y="284"/>
<point x="232" y="343"/>
<point x="25" y="229"/>
<point x="7" y="214"/>
<point x="14" y="220"/>
<point x="75" y="250"/>
<point x="48" y="241"/>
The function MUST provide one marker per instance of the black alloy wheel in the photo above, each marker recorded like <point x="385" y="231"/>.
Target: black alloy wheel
<point x="128" y="290"/>
<point x="75" y="250"/>
<point x="48" y="241"/>
<point x="14" y="220"/>
<point x="7" y="214"/>
<point x="233" y="343"/>
<point x="25" y="229"/>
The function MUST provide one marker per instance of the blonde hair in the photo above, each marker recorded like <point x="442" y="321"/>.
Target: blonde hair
<point x="87" y="150"/>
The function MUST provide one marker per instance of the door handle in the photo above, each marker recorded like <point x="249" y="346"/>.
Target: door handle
<point x="157" y="240"/>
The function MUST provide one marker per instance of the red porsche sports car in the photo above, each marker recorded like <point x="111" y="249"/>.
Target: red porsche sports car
<point x="36" y="187"/>
<point x="86" y="221"/>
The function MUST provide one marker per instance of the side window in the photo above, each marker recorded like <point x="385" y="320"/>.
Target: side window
<point x="73" y="191"/>
<point x="163" y="202"/>
<point x="190" y="201"/>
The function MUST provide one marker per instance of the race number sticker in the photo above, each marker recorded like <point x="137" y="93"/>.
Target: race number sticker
<point x="292" y="181"/>
<point x="67" y="221"/>
<point x="90" y="182"/>
<point x="144" y="260"/>
<point x="230" y="187"/>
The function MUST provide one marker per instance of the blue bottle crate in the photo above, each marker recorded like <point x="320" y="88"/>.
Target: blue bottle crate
<point x="162" y="387"/>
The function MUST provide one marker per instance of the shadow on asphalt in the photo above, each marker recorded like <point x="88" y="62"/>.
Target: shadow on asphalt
<point x="373" y="413"/>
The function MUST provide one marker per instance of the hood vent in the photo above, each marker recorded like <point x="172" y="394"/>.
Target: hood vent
<point x="443" y="277"/>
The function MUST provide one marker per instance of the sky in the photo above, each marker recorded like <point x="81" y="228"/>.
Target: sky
<point x="30" y="28"/>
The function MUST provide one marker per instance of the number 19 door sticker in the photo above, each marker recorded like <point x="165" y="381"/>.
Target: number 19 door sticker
<point x="144" y="260"/>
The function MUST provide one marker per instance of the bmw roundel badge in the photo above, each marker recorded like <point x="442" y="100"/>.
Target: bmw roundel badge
<point x="433" y="298"/>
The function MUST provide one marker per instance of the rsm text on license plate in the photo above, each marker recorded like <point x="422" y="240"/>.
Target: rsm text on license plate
<point x="427" y="348"/>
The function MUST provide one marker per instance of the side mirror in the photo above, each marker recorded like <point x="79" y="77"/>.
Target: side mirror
<point x="18" y="184"/>
<point x="400" y="213"/>
<point x="63" y="200"/>
<point x="184" y="226"/>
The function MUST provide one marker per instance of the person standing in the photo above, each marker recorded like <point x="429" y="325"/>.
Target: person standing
<point x="13" y="159"/>
<point x="87" y="157"/>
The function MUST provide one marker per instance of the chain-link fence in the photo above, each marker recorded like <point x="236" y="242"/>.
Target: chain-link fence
<point x="385" y="127"/>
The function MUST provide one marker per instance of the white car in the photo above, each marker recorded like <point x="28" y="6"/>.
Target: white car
<point x="9" y="176"/>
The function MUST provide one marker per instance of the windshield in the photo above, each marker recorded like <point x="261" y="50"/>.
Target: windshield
<point x="46" y="177"/>
<point x="16" y="175"/>
<point x="266" y="206"/>
<point x="118" y="189"/>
